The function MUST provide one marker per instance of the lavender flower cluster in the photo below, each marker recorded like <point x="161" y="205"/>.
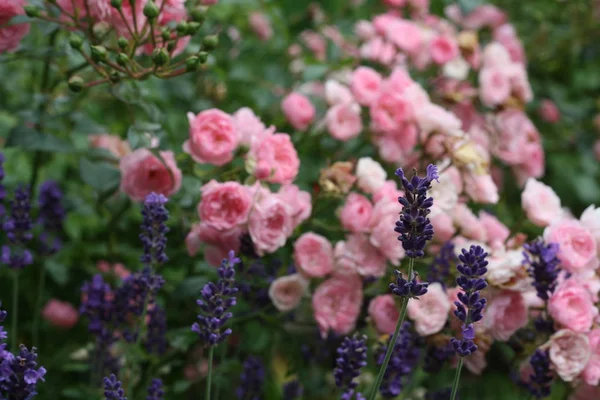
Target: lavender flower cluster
<point x="543" y="266"/>
<point x="17" y="227"/>
<point x="352" y="356"/>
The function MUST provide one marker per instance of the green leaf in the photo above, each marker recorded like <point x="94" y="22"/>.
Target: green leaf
<point x="181" y="386"/>
<point x="101" y="176"/>
<point x="30" y="139"/>
<point x="58" y="272"/>
<point x="314" y="72"/>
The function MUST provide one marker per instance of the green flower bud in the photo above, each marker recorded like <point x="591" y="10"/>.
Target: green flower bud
<point x="100" y="29"/>
<point x="98" y="53"/>
<point x="170" y="46"/>
<point x="165" y="34"/>
<point x="122" y="59"/>
<point x="151" y="10"/>
<point x="199" y="14"/>
<point x="193" y="27"/>
<point x="32" y="11"/>
<point x="210" y="42"/>
<point x="191" y="64"/>
<point x="182" y="28"/>
<point x="76" y="84"/>
<point x="160" y="57"/>
<point x="123" y="43"/>
<point x="202" y="56"/>
<point x="116" y="3"/>
<point x="75" y="41"/>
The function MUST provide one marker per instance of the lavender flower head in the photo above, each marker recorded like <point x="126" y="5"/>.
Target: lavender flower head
<point x="155" y="390"/>
<point x="18" y="231"/>
<point x="470" y="307"/>
<point x="543" y="266"/>
<point x="411" y="288"/>
<point x="414" y="227"/>
<point x="19" y="374"/>
<point x="52" y="215"/>
<point x="252" y="379"/>
<point x="96" y="304"/>
<point x="352" y="356"/>
<point x="215" y="301"/>
<point x="113" y="388"/>
<point x="439" y="270"/>
<point x="540" y="380"/>
<point x="154" y="230"/>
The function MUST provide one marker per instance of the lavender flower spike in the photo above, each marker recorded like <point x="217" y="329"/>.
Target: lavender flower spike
<point x="52" y="215"/>
<point x="543" y="266"/>
<point x="18" y="230"/>
<point x="19" y="374"/>
<point x="215" y="301"/>
<point x="154" y="230"/>
<point x="155" y="391"/>
<point x="113" y="389"/>
<point x="352" y="356"/>
<point x="540" y="380"/>
<point x="252" y="379"/>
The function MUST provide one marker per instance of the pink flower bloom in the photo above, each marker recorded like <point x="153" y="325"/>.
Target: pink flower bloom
<point x="217" y="242"/>
<point x="591" y="373"/>
<point x="143" y="173"/>
<point x="364" y="30"/>
<point x="387" y="191"/>
<point x="572" y="306"/>
<point x="397" y="146"/>
<point x="224" y="205"/>
<point x="481" y="188"/>
<point x="356" y="213"/>
<point x="533" y="167"/>
<point x="112" y="143"/>
<point x="443" y="227"/>
<point x="549" y="111"/>
<point x="406" y="35"/>
<point x="378" y="50"/>
<point x="261" y="25"/>
<point x="390" y="110"/>
<point x="60" y="313"/>
<point x="315" y="43"/>
<point x="248" y="126"/>
<point x="336" y="93"/>
<point x="578" y="247"/>
<point x="514" y="131"/>
<point x="506" y="314"/>
<point x="356" y="255"/>
<point x="497" y="232"/>
<point x="443" y="49"/>
<point x="10" y="36"/>
<point x="394" y="3"/>
<point x="384" y="313"/>
<point x="506" y="270"/>
<point x="433" y="118"/>
<point x="484" y="15"/>
<point x="494" y="85"/>
<point x="507" y="36"/>
<point x="286" y="292"/>
<point x="343" y="121"/>
<point x="213" y="137"/>
<point x="270" y="223"/>
<point x="470" y="226"/>
<point x="371" y="175"/>
<point x="313" y="255"/>
<point x="276" y="155"/>
<point x="298" y="110"/>
<point x="569" y="353"/>
<point x="541" y="204"/>
<point x="384" y="216"/>
<point x="298" y="202"/>
<point x="365" y="85"/>
<point x="585" y="392"/>
<point x="430" y="313"/>
<point x="590" y="218"/>
<point x="336" y="304"/>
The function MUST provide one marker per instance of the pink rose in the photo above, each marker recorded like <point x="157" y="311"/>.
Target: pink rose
<point x="585" y="392"/>
<point x="506" y="314"/>
<point x="286" y="292"/>
<point x="365" y="85"/>
<point x="371" y="175"/>
<point x="497" y="232"/>
<point x="591" y="373"/>
<point x="261" y="25"/>
<point x="506" y="270"/>
<point x="390" y="111"/>
<point x="514" y="131"/>
<point x="406" y="35"/>
<point x="270" y="223"/>
<point x="569" y="353"/>
<point x="60" y="313"/>
<point x="118" y="269"/>
<point x="298" y="202"/>
<point x="364" y="30"/>
<point x="336" y="93"/>
<point x="388" y="191"/>
<point x="276" y="155"/>
<point x="396" y="146"/>
<point x="383" y="218"/>
<point x="443" y="226"/>
<point x="10" y="36"/>
<point x="430" y="313"/>
<point x="572" y="306"/>
<point x="433" y="118"/>
<point x="578" y="247"/>
<point x="313" y="255"/>
<point x="344" y="121"/>
<point x="114" y="144"/>
<point x="224" y="205"/>
<point x="549" y="111"/>
<point x="470" y="226"/>
<point x="143" y="173"/>
<point x="443" y="49"/>
<point x="248" y="126"/>
<point x="213" y="137"/>
<point x="356" y="213"/>
<point x="394" y="3"/>
<point x="507" y="36"/>
<point x="336" y="304"/>
<point x="217" y="242"/>
<point x="481" y="188"/>
<point x="590" y="218"/>
<point x="298" y="110"/>
<point x="378" y="50"/>
<point x="541" y="204"/>
<point x="358" y="255"/>
<point x="494" y="86"/>
<point x="484" y="15"/>
<point x="384" y="313"/>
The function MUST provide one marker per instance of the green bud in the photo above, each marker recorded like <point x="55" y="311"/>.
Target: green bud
<point x="202" y="56"/>
<point x="116" y="3"/>
<point x="193" y="27"/>
<point x="170" y="46"/>
<point x="122" y="59"/>
<point x="199" y="14"/>
<point x="151" y="10"/>
<point x="160" y="57"/>
<point x="98" y="53"/>
<point x="123" y="43"/>
<point x="182" y="28"/>
<point x="191" y="64"/>
<point x="75" y="41"/>
<point x="100" y="29"/>
<point x="165" y="34"/>
<point x="210" y="42"/>
<point x="32" y="11"/>
<point x="76" y="83"/>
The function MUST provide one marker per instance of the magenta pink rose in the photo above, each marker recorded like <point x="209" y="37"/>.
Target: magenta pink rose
<point x="213" y="137"/>
<point x="298" y="110"/>
<point x="577" y="244"/>
<point x="336" y="304"/>
<point x="549" y="111"/>
<point x="248" y="126"/>
<point x="356" y="255"/>
<point x="276" y="155"/>
<point x="430" y="313"/>
<point x="261" y="25"/>
<point x="344" y="121"/>
<point x="541" y="204"/>
<point x="390" y="110"/>
<point x="497" y="232"/>
<point x="313" y="255"/>
<point x="443" y="49"/>
<point x="569" y="353"/>
<point x="114" y="144"/>
<point x="217" y="243"/>
<point x="365" y="85"/>
<point x="60" y="313"/>
<point x="270" y="223"/>
<point x="572" y="306"/>
<point x="10" y="36"/>
<point x="143" y="173"/>
<point x="591" y="373"/>
<point x="356" y="213"/>
<point x="298" y="201"/>
<point x="506" y="314"/>
<point x="384" y="215"/>
<point x="286" y="292"/>
<point x="224" y="205"/>
<point x="384" y="313"/>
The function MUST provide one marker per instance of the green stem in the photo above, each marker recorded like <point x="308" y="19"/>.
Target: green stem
<point x="210" y="368"/>
<point x="38" y="305"/>
<point x="15" y="311"/>
<point x="392" y="344"/>
<point x="456" y="378"/>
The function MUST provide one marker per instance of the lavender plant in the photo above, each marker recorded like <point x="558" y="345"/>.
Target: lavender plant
<point x="352" y="356"/>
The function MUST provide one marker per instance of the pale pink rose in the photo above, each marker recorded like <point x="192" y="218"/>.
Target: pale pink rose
<point x="364" y="30"/>
<point x="406" y="35"/>
<point x="313" y="255"/>
<point x="344" y="121"/>
<point x="433" y="118"/>
<point x="388" y="191"/>
<point x="371" y="175"/>
<point x="496" y="55"/>
<point x="519" y="82"/>
<point x="382" y="21"/>
<point x="569" y="353"/>
<point x="585" y="392"/>
<point x="261" y="25"/>
<point x="468" y="223"/>
<point x="356" y="255"/>
<point x="384" y="216"/>
<point x="497" y="232"/>
<point x="572" y="306"/>
<point x="506" y="314"/>
<point x="430" y="313"/>
<point x="60" y="313"/>
<point x="336" y="304"/>
<point x="143" y="173"/>
<point x="578" y="247"/>
<point x="384" y="313"/>
<point x="356" y="213"/>
<point x="286" y="292"/>
<point x="534" y="164"/>
<point x="298" y="202"/>
<point x="336" y="93"/>
<point x="591" y="373"/>
<point x="315" y="43"/>
<point x="365" y="85"/>
<point x="217" y="242"/>
<point x="224" y="205"/>
<point x="481" y="188"/>
<point x="248" y="126"/>
<point x="494" y="85"/>
<point x="590" y="218"/>
<point x="114" y="144"/>
<point x="477" y="362"/>
<point x="540" y="202"/>
<point x="506" y="270"/>
<point x="10" y="36"/>
<point x="443" y="49"/>
<point x="270" y="223"/>
<point x="397" y="146"/>
<point x="507" y="36"/>
<point x="213" y="137"/>
<point x="444" y="193"/>
<point x="514" y="131"/>
<point x="443" y="226"/>
<point x="298" y="110"/>
<point x="484" y="15"/>
<point x="549" y="111"/>
<point x="275" y="154"/>
<point x="378" y="50"/>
